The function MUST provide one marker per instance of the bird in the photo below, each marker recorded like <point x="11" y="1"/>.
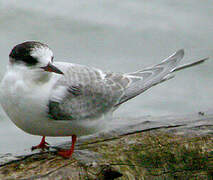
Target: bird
<point x="48" y="98"/>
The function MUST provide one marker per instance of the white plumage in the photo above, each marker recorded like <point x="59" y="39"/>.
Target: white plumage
<point x="41" y="100"/>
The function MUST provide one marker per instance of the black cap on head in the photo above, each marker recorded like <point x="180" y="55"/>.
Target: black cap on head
<point x="21" y="53"/>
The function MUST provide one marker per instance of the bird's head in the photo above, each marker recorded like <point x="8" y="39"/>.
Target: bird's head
<point x="34" y="56"/>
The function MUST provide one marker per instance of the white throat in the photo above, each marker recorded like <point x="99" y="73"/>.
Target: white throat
<point x="28" y="74"/>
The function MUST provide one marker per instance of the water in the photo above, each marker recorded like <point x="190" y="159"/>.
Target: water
<point x="117" y="36"/>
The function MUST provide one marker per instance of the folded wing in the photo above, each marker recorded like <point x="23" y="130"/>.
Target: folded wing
<point x="89" y="93"/>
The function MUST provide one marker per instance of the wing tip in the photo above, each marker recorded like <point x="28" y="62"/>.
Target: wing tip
<point x="205" y="59"/>
<point x="179" y="53"/>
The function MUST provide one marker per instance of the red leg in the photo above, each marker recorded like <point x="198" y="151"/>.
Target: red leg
<point x="43" y="145"/>
<point x="68" y="153"/>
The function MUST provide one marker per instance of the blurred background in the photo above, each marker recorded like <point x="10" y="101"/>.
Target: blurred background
<point x="118" y="36"/>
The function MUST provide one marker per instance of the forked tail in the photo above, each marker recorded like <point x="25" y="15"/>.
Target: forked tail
<point x="142" y="80"/>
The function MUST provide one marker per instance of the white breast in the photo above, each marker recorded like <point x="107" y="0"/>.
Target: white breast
<point x="26" y="105"/>
<point x="23" y="102"/>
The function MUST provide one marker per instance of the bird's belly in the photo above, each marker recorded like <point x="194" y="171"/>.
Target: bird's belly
<point x="69" y="127"/>
<point x="28" y="111"/>
<point x="38" y="123"/>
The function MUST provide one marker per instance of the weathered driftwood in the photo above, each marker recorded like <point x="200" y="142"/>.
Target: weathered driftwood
<point x="152" y="147"/>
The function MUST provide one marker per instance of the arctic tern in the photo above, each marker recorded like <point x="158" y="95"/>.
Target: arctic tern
<point x="48" y="98"/>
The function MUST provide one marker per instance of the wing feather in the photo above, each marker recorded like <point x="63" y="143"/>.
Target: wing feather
<point x="148" y="77"/>
<point x="85" y="92"/>
<point x="82" y="93"/>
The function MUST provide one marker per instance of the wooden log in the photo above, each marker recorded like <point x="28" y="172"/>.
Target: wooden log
<point x="151" y="147"/>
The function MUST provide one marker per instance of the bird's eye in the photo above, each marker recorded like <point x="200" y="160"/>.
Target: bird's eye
<point x="29" y="60"/>
<point x="52" y="58"/>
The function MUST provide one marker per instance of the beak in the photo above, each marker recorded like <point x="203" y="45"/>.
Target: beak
<point x="52" y="68"/>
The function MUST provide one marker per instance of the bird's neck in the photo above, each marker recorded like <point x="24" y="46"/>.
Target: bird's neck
<point x="31" y="76"/>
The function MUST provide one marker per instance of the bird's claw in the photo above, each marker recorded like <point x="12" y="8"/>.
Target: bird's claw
<point x="65" y="153"/>
<point x="41" y="146"/>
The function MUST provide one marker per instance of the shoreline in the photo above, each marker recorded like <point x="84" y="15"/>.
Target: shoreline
<point x="155" y="147"/>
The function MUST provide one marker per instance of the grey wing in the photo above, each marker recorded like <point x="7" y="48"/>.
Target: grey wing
<point x="87" y="93"/>
<point x="135" y="83"/>
<point x="142" y="80"/>
<point x="82" y="93"/>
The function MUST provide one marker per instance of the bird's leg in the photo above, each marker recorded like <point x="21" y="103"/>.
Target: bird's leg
<point x="68" y="153"/>
<point x="43" y="145"/>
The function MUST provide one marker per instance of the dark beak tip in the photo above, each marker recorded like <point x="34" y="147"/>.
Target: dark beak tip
<point x="52" y="68"/>
<point x="61" y="73"/>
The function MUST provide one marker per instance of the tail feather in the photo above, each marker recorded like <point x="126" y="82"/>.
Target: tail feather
<point x="144" y="79"/>
<point x="151" y="76"/>
<point x="190" y="64"/>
